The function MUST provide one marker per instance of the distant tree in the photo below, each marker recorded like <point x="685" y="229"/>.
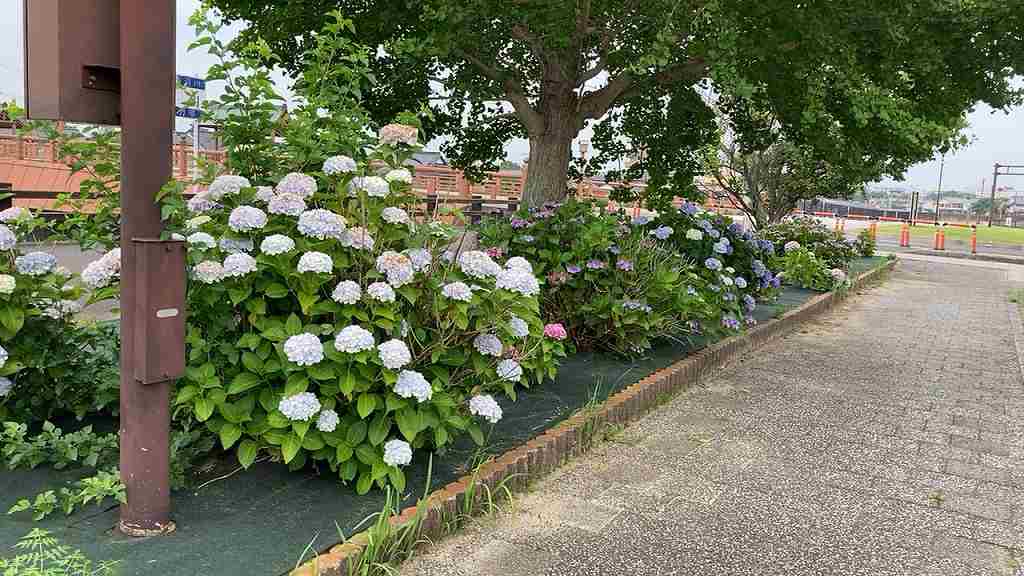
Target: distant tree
<point x="981" y="207"/>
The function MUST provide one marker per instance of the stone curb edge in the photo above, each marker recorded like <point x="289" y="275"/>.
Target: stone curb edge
<point x="546" y="452"/>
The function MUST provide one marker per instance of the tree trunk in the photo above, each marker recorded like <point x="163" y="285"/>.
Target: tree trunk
<point x="550" y="151"/>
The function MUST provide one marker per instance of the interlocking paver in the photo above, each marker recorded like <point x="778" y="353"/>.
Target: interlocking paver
<point x="887" y="438"/>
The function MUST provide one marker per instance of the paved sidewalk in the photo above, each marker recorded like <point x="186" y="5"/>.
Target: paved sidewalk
<point x="886" y="438"/>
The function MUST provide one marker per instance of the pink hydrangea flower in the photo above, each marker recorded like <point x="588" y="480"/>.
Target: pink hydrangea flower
<point x="555" y="331"/>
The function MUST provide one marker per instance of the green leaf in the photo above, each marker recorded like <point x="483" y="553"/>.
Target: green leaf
<point x="186" y="393"/>
<point x="276" y="290"/>
<point x="356" y="433"/>
<point x="321" y="371"/>
<point x="364" y="484"/>
<point x="379" y="428"/>
<point x="366" y="454"/>
<point x="249" y="340"/>
<point x="476" y="434"/>
<point x="12" y="318"/>
<point x="239" y="294"/>
<point x="290" y="447"/>
<point x="247" y="452"/>
<point x="313" y="441"/>
<point x="366" y="404"/>
<point x="243" y="381"/>
<point x="204" y="409"/>
<point x="293" y="325"/>
<point x="229" y="434"/>
<point x="344" y="452"/>
<point x="397" y="478"/>
<point x="252" y="362"/>
<point x="408" y="420"/>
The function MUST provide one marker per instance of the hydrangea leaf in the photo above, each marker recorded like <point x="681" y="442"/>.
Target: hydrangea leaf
<point x="243" y="381"/>
<point x="247" y="451"/>
<point x="229" y="434"/>
<point x="366" y="404"/>
<point x="290" y="447"/>
<point x="343" y="452"/>
<point x="356" y="433"/>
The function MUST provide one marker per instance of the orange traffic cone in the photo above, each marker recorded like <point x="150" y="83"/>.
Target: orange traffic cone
<point x="974" y="238"/>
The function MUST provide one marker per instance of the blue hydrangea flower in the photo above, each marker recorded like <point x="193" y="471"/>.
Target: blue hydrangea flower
<point x="689" y="208"/>
<point x="662" y="232"/>
<point x="713" y="264"/>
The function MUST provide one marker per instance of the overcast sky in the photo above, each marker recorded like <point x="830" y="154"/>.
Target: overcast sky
<point x="998" y="137"/>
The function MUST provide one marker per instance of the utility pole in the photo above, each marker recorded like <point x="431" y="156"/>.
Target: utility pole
<point x="938" y="195"/>
<point x="992" y="198"/>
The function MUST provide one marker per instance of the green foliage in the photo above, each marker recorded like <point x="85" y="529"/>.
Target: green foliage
<point x="38" y="553"/>
<point x="865" y="243"/>
<point x="827" y="245"/>
<point x="800" y="267"/>
<point x="96" y="488"/>
<point x="52" y="446"/>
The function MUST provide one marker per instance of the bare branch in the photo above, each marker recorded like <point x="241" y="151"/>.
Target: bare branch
<point x="595" y="104"/>
<point x="533" y="121"/>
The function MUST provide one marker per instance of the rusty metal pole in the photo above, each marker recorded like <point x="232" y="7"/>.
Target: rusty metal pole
<point x="147" y="124"/>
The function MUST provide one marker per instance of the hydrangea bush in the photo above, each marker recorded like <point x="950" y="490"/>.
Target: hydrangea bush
<point x="613" y="286"/>
<point x="327" y="325"/>
<point x="801" y="267"/>
<point x="826" y="244"/>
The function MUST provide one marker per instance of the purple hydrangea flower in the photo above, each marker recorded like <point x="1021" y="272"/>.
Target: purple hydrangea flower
<point x="731" y="323"/>
<point x="759" y="268"/>
<point x="624" y="264"/>
<point x="520" y="223"/>
<point x="776" y="282"/>
<point x="662" y="232"/>
<point x="641" y="220"/>
<point x="736" y="228"/>
<point x="705" y="225"/>
<point x="595" y="264"/>
<point x="573" y="269"/>
<point x="689" y="208"/>
<point x="722" y="246"/>
<point x="694" y="326"/>
<point x="749" y="302"/>
<point x="728" y="297"/>
<point x="714" y="234"/>
<point x="713" y="264"/>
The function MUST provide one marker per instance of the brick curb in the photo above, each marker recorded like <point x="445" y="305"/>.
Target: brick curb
<point x="571" y="437"/>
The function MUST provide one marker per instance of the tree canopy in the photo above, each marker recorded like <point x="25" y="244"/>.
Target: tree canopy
<point x="847" y="80"/>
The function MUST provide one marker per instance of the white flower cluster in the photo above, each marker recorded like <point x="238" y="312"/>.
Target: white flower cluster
<point x="233" y="245"/>
<point x="304" y="349"/>
<point x="5" y="386"/>
<point x="518" y="280"/>
<point x="358" y="238"/>
<point x="374" y="186"/>
<point x="478" y="264"/>
<point x="35" y="263"/>
<point x="7" y="238"/>
<point x="7" y="284"/>
<point x="457" y="291"/>
<point x="276" y="244"/>
<point x="100" y="273"/>
<point x="339" y="165"/>
<point x="381" y="291"/>
<point x="397" y="453"/>
<point x="201" y="202"/>
<point x="297" y="183"/>
<point x="399" y="175"/>
<point x="347" y="292"/>
<point x="321" y="224"/>
<point x="317" y="262"/>
<point x="486" y="406"/>
<point x="695" y="234"/>
<point x="519" y="263"/>
<point x="510" y="370"/>
<point x="59" y="309"/>
<point x="412" y="384"/>
<point x="420" y="258"/>
<point x="13" y="214"/>
<point x="299" y="407"/>
<point x="396" y="266"/>
<point x="209" y="272"/>
<point x="488" y="345"/>
<point x="519" y="327"/>
<point x="394" y="354"/>
<point x="237" y="265"/>
<point x="327" y="421"/>
<point x="3" y="356"/>
<point x="227" y="185"/>
<point x="247" y="219"/>
<point x="195" y="223"/>
<point x="286" y="205"/>
<point x="791" y="246"/>
<point x="353" y="339"/>
<point x="398" y="134"/>
<point x="394" y="215"/>
<point x="265" y="193"/>
<point x="201" y="241"/>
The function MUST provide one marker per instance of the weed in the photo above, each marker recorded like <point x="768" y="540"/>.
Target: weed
<point x="40" y="554"/>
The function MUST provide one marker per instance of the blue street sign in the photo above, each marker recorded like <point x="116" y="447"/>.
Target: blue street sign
<point x="187" y="112"/>
<point x="191" y="82"/>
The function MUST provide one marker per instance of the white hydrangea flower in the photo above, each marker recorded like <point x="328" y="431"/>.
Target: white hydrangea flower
<point x="519" y="327"/>
<point x="485" y="406"/>
<point x="397" y="453"/>
<point x="347" y="292"/>
<point x="247" y="219"/>
<point x="35" y="263"/>
<point x="58" y="309"/>
<point x="420" y="257"/>
<point x="358" y="238"/>
<point x="235" y="245"/>
<point x="375" y="186"/>
<point x="519" y="263"/>
<point x="339" y="165"/>
<point x="315" y="262"/>
<point x="398" y="134"/>
<point x="209" y="272"/>
<point x="327" y="421"/>
<point x="394" y="354"/>
<point x="3" y="356"/>
<point x="381" y="291"/>
<point x="7" y="284"/>
<point x="264" y="193"/>
<point x="488" y="345"/>
<point x="354" y="339"/>
<point x="791" y="246"/>
<point x="14" y="213"/>
<point x="304" y="349"/>
<point x="201" y="202"/>
<point x="286" y="205"/>
<point x="399" y="175"/>
<point x="7" y="238"/>
<point x="276" y="244"/>
<point x="457" y="291"/>
<point x="97" y="274"/>
<point x="695" y="234"/>
<point x="195" y="223"/>
<point x="478" y="264"/>
<point x="396" y="266"/>
<point x="299" y="407"/>
<point x="726" y="280"/>
<point x="240" y="264"/>
<point x="510" y="370"/>
<point x="412" y="384"/>
<point x="321" y="224"/>
<point x="297" y="183"/>
<point x="520" y="281"/>
<point x="201" y="240"/>
<point x="394" y="215"/>
<point x="227" y="185"/>
<point x="5" y="386"/>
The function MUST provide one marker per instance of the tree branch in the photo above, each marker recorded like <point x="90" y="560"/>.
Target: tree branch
<point x="595" y="104"/>
<point x="533" y="121"/>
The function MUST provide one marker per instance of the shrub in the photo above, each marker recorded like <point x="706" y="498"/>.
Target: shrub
<point x="800" y="267"/>
<point x="419" y="333"/>
<point x="865" y="243"/>
<point x="616" y="286"/>
<point x="825" y="243"/>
